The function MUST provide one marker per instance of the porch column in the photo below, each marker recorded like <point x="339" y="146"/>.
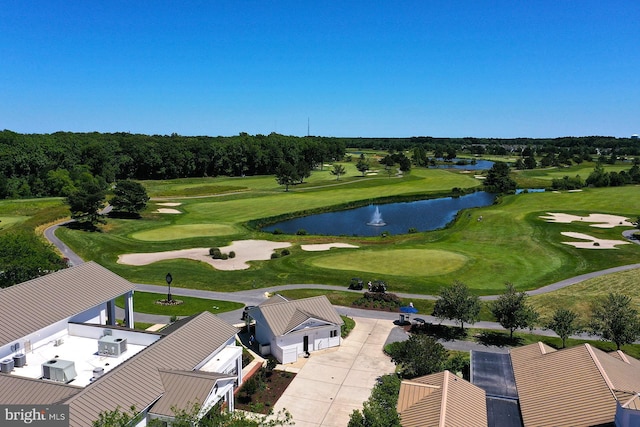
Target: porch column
<point x="111" y="312"/>
<point x="128" y="310"/>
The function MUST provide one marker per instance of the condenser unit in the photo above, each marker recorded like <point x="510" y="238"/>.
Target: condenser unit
<point x="59" y="370"/>
<point x="110" y="346"/>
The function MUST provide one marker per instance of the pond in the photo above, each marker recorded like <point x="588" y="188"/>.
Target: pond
<point x="392" y="218"/>
<point x="478" y="165"/>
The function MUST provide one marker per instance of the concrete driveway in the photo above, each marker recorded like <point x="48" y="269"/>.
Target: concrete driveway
<point x="334" y="382"/>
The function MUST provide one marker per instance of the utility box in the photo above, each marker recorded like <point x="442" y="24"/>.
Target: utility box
<point x="112" y="347"/>
<point x="59" y="370"/>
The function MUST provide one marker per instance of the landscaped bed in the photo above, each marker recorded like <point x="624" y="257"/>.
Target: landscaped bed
<point x="260" y="392"/>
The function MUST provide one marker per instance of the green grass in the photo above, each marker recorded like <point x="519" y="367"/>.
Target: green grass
<point x="347" y="327"/>
<point x="144" y="302"/>
<point x="581" y="296"/>
<point x="511" y="243"/>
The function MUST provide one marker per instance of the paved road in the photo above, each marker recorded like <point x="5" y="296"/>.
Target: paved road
<point x="256" y="296"/>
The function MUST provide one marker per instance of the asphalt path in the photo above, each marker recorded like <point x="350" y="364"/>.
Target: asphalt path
<point x="258" y="295"/>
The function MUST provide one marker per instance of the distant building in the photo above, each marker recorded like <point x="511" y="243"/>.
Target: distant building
<point x="634" y="136"/>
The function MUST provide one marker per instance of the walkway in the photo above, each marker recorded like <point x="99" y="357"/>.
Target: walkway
<point x="332" y="383"/>
<point x="256" y="296"/>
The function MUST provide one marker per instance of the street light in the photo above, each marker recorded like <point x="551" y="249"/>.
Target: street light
<point x="169" y="280"/>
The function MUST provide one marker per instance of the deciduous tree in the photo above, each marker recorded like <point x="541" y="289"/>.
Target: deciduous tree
<point x="512" y="310"/>
<point x="23" y="256"/>
<point x="564" y="323"/>
<point x="129" y="197"/>
<point x="338" y="170"/>
<point x="380" y="409"/>
<point x="457" y="303"/>
<point x="419" y="355"/>
<point x="286" y="175"/>
<point x="615" y="320"/>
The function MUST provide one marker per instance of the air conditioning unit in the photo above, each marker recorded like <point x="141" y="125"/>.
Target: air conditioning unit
<point x="110" y="346"/>
<point x="6" y="366"/>
<point x="59" y="370"/>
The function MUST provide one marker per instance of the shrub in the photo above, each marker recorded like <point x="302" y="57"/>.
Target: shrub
<point x="275" y="255"/>
<point x="215" y="253"/>
<point x="285" y="252"/>
<point x="271" y="364"/>
<point x="301" y="232"/>
<point x="379" y="300"/>
<point x="224" y="256"/>
<point x="232" y="254"/>
<point x="412" y="230"/>
<point x="277" y="231"/>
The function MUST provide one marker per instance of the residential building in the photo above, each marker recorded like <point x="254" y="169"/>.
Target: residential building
<point x="59" y="343"/>
<point x="290" y="329"/>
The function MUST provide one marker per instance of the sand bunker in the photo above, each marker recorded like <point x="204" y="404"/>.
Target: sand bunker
<point x="168" y="204"/>
<point x="600" y="220"/>
<point x="246" y="250"/>
<point x="168" y="211"/>
<point x="325" y="246"/>
<point x="593" y="243"/>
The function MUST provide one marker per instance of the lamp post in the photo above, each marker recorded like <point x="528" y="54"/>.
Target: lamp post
<point x="169" y="280"/>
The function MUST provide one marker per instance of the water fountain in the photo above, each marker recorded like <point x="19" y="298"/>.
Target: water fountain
<point x="376" y="219"/>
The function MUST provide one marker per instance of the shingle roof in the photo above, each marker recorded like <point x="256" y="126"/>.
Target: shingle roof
<point x="284" y="316"/>
<point x="441" y="400"/>
<point x="138" y="381"/>
<point x="35" y="304"/>
<point x="16" y="390"/>
<point x="577" y="386"/>
<point x="183" y="389"/>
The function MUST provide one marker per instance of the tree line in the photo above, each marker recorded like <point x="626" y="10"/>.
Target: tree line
<point x="37" y="165"/>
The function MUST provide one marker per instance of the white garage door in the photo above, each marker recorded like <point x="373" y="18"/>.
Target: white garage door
<point x="289" y="355"/>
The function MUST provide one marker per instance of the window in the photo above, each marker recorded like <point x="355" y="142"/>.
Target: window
<point x="333" y="334"/>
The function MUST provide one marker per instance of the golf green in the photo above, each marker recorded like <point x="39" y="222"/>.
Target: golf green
<point x="175" y="232"/>
<point x="405" y="262"/>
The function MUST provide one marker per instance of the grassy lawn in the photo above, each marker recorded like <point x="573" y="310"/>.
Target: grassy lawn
<point x="511" y="243"/>
<point x="144" y="302"/>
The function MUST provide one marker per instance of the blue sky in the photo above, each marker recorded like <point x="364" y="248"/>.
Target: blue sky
<point x="352" y="68"/>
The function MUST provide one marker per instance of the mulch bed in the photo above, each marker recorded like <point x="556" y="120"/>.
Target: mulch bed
<point x="263" y="400"/>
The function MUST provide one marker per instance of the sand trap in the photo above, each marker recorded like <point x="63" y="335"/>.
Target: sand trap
<point x="168" y="211"/>
<point x="591" y="244"/>
<point x="601" y="220"/>
<point x="246" y="250"/>
<point x="325" y="246"/>
<point x="372" y="173"/>
<point x="168" y="204"/>
<point x="479" y="177"/>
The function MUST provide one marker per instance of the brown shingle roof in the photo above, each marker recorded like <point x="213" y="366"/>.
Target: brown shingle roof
<point x="573" y="387"/>
<point x="284" y="316"/>
<point x="16" y="390"/>
<point x="138" y="382"/>
<point x="441" y="400"/>
<point x="37" y="303"/>
<point x="183" y="389"/>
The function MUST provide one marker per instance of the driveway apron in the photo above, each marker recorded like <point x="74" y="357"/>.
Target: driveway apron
<point x="334" y="382"/>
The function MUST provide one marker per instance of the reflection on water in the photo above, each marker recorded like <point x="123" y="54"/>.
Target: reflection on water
<point x="422" y="215"/>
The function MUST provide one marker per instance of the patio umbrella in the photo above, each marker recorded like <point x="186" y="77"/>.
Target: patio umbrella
<point x="408" y="309"/>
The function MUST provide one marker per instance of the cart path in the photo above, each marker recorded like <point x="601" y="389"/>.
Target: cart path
<point x="255" y="296"/>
